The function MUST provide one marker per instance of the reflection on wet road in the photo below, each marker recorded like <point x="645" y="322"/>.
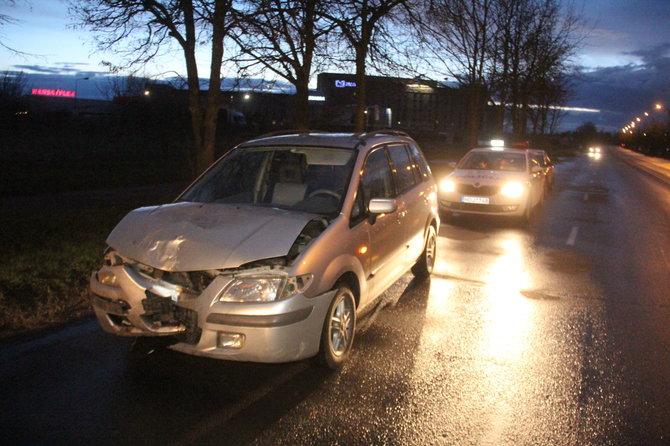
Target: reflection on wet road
<point x="537" y="335"/>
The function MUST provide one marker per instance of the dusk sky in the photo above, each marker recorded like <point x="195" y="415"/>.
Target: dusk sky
<point x="625" y="56"/>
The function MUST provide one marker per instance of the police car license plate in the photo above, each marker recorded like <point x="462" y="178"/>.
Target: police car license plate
<point x="477" y="200"/>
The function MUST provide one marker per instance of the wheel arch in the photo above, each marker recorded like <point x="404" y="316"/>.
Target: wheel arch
<point x="350" y="279"/>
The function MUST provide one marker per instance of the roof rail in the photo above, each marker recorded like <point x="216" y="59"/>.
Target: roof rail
<point x="383" y="132"/>
<point x="289" y="132"/>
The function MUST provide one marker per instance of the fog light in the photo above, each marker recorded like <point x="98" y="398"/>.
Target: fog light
<point x="230" y="340"/>
<point x="107" y="278"/>
<point x="509" y="208"/>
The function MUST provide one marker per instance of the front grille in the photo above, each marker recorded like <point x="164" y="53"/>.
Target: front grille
<point x="482" y="191"/>
<point x="474" y="207"/>
<point x="193" y="283"/>
<point x="161" y="312"/>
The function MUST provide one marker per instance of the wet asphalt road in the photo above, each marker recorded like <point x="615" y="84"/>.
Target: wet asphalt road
<point x="553" y="334"/>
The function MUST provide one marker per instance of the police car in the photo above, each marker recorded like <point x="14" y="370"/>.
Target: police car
<point x="496" y="180"/>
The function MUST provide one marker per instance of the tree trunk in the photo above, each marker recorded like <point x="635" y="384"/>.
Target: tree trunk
<point x="474" y="112"/>
<point x="359" y="120"/>
<point x="194" y="106"/>
<point x="207" y="148"/>
<point x="302" y="102"/>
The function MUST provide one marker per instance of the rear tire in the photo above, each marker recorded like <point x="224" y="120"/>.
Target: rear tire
<point x="339" y="328"/>
<point x="424" y="266"/>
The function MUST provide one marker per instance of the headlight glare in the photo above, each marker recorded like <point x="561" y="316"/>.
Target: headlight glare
<point x="447" y="185"/>
<point x="513" y="189"/>
<point x="253" y="289"/>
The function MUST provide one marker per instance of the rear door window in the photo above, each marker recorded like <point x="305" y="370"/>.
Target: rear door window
<point x="403" y="167"/>
<point x="421" y="167"/>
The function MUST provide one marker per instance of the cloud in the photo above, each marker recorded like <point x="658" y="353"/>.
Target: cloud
<point x="653" y="56"/>
<point x="60" y="68"/>
<point x="37" y="69"/>
<point x="621" y="92"/>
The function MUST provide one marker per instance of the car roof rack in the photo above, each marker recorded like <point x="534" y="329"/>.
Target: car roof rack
<point x="289" y="132"/>
<point x="379" y="132"/>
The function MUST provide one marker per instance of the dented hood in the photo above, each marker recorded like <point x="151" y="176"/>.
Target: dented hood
<point x="203" y="236"/>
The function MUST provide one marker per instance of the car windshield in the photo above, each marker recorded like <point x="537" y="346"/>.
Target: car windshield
<point x="504" y="161"/>
<point x="308" y="179"/>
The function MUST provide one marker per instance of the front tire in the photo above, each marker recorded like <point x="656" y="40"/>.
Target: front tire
<point x="337" y="336"/>
<point x="424" y="266"/>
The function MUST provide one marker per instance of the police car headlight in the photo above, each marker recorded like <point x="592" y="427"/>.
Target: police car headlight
<point x="447" y="185"/>
<point x="513" y="189"/>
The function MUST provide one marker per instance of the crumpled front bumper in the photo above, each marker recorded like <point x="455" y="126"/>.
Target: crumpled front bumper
<point x="280" y="331"/>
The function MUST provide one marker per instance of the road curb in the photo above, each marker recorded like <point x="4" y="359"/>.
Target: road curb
<point x="643" y="163"/>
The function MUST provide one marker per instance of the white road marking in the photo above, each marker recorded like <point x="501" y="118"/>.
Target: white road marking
<point x="572" y="238"/>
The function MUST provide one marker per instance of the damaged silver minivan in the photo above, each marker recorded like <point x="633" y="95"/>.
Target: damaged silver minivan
<point x="275" y="250"/>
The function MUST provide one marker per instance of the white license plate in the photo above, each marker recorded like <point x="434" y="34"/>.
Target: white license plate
<point x="477" y="200"/>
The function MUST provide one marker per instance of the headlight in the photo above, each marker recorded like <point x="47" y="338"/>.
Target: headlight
<point x="448" y="185"/>
<point x="264" y="288"/>
<point x="512" y="189"/>
<point x="107" y="278"/>
<point x="252" y="289"/>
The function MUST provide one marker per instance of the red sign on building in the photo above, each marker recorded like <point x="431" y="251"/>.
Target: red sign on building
<point x="50" y="92"/>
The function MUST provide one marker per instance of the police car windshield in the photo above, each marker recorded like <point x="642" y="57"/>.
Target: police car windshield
<point x="502" y="161"/>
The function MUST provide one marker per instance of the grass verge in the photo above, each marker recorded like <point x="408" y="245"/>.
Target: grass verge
<point x="49" y="250"/>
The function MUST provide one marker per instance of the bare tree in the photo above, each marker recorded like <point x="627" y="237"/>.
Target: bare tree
<point x="13" y="87"/>
<point x="284" y="37"/>
<point x="533" y="45"/>
<point x="458" y="35"/>
<point x="13" y="84"/>
<point x="361" y="26"/>
<point x="6" y="19"/>
<point x="550" y="93"/>
<point x="130" y="85"/>
<point x="147" y="26"/>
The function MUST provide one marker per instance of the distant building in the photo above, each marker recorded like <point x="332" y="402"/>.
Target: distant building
<point x="416" y="105"/>
<point x="65" y="104"/>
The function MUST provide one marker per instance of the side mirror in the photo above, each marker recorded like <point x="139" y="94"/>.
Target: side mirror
<point x="382" y="206"/>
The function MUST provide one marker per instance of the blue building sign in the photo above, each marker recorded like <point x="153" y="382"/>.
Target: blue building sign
<point x="343" y="84"/>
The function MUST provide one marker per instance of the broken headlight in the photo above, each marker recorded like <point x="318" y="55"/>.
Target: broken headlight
<point x="112" y="258"/>
<point x="193" y="282"/>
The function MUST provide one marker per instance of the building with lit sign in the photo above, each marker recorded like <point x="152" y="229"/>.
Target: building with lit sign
<point x="415" y="105"/>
